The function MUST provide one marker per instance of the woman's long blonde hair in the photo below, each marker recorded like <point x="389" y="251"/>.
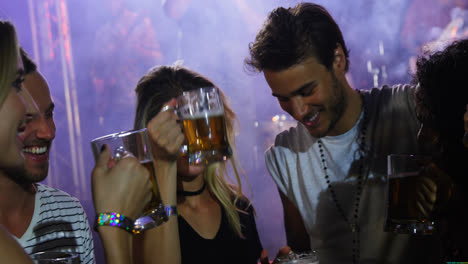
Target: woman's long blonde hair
<point x="162" y="83"/>
<point x="8" y="58"/>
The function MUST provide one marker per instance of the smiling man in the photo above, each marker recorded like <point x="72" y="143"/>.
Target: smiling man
<point x="48" y="219"/>
<point x="330" y="169"/>
<point x="40" y="130"/>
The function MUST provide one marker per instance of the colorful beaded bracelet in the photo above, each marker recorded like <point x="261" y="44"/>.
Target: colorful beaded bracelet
<point x="114" y="219"/>
<point x="171" y="210"/>
<point x="123" y="222"/>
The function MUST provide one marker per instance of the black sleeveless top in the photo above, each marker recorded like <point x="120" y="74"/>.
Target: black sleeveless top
<point x="226" y="246"/>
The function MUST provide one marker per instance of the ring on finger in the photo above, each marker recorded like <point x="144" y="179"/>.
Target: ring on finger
<point x="167" y="108"/>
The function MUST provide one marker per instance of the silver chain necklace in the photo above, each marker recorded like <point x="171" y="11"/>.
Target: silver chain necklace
<point x="354" y="226"/>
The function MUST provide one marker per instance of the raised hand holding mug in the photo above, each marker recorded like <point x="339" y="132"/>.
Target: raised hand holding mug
<point x="135" y="143"/>
<point x="416" y="190"/>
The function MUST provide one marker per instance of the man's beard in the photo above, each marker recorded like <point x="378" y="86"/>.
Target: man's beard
<point x="37" y="177"/>
<point x="21" y="176"/>
<point x="337" y="103"/>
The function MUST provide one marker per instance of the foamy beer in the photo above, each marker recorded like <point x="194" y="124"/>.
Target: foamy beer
<point x="404" y="178"/>
<point x="202" y="112"/>
<point x="136" y="143"/>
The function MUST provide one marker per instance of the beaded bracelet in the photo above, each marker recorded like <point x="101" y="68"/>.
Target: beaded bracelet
<point x="171" y="210"/>
<point x="114" y="219"/>
<point x="123" y="222"/>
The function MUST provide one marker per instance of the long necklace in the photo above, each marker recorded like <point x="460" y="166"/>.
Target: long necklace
<point x="354" y="225"/>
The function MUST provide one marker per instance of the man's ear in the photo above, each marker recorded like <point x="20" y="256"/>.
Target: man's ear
<point x="339" y="60"/>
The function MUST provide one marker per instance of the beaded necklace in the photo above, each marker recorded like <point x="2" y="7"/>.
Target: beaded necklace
<point x="354" y="226"/>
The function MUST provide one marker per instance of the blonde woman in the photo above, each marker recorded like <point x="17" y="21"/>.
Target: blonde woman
<point x="12" y="110"/>
<point x="216" y="221"/>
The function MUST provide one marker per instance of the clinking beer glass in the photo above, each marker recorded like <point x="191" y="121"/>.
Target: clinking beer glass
<point x="136" y="143"/>
<point x="408" y="176"/>
<point x="202" y="113"/>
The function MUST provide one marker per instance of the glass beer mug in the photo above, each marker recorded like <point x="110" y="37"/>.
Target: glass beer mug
<point x="404" y="176"/>
<point x="308" y="257"/>
<point x="202" y="113"/>
<point x="55" y="257"/>
<point x="136" y="142"/>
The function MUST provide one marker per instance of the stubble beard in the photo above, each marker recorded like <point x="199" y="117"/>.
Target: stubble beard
<point x="21" y="176"/>
<point x="337" y="104"/>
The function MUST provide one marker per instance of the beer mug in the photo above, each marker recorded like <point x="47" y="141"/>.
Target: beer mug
<point x="55" y="257"/>
<point x="308" y="257"/>
<point x="202" y="113"/>
<point x="136" y="142"/>
<point x="404" y="176"/>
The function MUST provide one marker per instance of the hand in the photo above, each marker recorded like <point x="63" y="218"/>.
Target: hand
<point x="433" y="190"/>
<point x="282" y="252"/>
<point x="425" y="197"/>
<point x="166" y="134"/>
<point x="122" y="187"/>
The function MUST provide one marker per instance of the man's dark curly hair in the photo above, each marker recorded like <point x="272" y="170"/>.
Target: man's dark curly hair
<point x="290" y="36"/>
<point x="441" y="101"/>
